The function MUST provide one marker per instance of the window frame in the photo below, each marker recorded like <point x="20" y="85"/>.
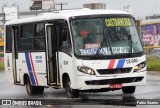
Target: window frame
<point x="25" y="38"/>
<point x="39" y="36"/>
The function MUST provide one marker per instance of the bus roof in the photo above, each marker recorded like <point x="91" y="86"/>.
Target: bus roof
<point x="64" y="14"/>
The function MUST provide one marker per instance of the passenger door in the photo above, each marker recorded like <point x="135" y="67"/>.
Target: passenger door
<point x="51" y="53"/>
<point x="15" y="36"/>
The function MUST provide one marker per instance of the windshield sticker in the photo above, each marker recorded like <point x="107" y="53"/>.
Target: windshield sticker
<point x="87" y="46"/>
<point x="120" y="49"/>
<point x="104" y="51"/>
<point x="93" y="51"/>
<point x="114" y="22"/>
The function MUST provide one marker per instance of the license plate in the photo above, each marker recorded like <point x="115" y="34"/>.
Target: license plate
<point x="115" y="86"/>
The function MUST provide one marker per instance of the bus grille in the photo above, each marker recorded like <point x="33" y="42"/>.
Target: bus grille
<point x="114" y="71"/>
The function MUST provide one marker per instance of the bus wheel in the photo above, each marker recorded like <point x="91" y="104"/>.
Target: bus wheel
<point x="129" y="90"/>
<point x="29" y="87"/>
<point x="73" y="93"/>
<point x="33" y="90"/>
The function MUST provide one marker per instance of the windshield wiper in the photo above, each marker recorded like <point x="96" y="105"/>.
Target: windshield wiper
<point x="130" y="39"/>
<point x="104" y="41"/>
<point x="101" y="44"/>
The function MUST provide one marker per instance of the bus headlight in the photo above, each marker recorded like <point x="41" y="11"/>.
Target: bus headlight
<point x="86" y="70"/>
<point x="139" y="66"/>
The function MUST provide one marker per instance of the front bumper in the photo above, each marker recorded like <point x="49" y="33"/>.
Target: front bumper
<point x="94" y="82"/>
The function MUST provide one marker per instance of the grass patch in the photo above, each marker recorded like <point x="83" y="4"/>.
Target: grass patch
<point x="1" y="66"/>
<point x="153" y="64"/>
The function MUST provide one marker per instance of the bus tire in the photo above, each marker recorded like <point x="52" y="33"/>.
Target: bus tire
<point x="29" y="87"/>
<point x="129" y="89"/>
<point x="33" y="90"/>
<point x="72" y="93"/>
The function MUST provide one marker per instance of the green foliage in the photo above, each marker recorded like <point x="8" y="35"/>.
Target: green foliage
<point x="1" y="66"/>
<point x="153" y="64"/>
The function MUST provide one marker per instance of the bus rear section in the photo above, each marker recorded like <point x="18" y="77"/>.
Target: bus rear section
<point x="25" y="57"/>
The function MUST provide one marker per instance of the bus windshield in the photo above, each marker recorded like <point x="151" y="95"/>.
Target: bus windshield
<point x="105" y="36"/>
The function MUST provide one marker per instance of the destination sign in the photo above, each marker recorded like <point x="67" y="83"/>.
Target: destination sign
<point x="114" y="22"/>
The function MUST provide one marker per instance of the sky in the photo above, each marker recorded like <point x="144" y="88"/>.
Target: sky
<point x="140" y="8"/>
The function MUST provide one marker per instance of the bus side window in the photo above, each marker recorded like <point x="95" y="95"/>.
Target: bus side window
<point x="39" y="42"/>
<point x="8" y="39"/>
<point x="27" y="37"/>
<point x="65" y="40"/>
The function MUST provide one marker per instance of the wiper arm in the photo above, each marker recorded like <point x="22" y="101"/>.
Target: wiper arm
<point x="129" y="38"/>
<point x="105" y="38"/>
<point x="101" y="44"/>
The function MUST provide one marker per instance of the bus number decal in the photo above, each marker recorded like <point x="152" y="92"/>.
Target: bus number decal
<point x="129" y="61"/>
<point x="65" y="62"/>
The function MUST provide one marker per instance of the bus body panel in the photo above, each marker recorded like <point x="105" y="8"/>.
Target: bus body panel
<point x="33" y="64"/>
<point x="103" y="64"/>
<point x="66" y="66"/>
<point x="113" y="64"/>
<point x="36" y="62"/>
<point x="8" y="67"/>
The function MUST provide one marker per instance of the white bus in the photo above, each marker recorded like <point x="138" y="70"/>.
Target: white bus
<point x="51" y="50"/>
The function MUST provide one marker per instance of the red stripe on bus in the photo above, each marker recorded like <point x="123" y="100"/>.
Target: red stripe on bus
<point x="111" y="64"/>
<point x="33" y="68"/>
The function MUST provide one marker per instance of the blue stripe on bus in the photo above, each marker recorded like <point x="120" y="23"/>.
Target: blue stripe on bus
<point x="30" y="69"/>
<point x="120" y="63"/>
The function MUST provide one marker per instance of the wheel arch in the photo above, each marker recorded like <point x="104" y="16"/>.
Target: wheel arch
<point x="64" y="77"/>
<point x="24" y="78"/>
